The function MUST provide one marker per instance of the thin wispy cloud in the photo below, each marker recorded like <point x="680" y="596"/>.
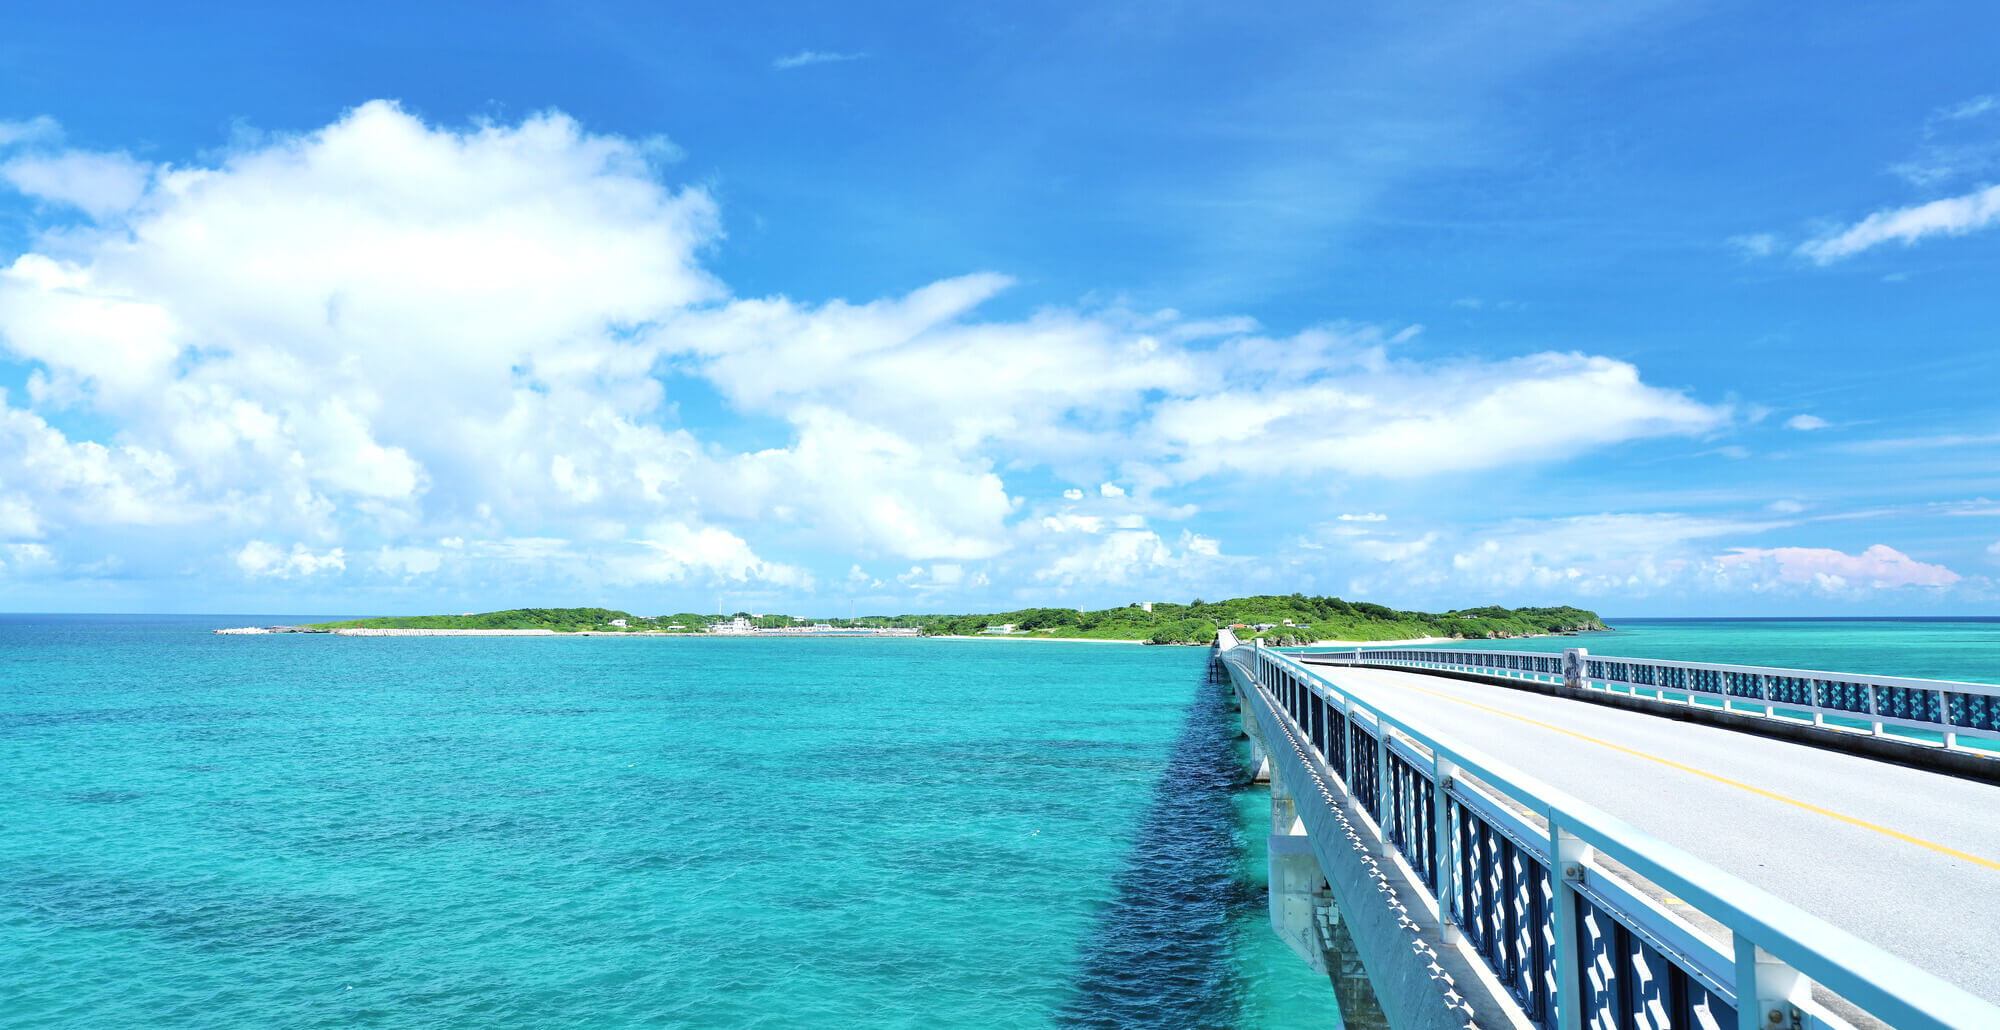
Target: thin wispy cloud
<point x="1754" y="245"/>
<point x="810" y="57"/>
<point x="1963" y="110"/>
<point x="1952" y="216"/>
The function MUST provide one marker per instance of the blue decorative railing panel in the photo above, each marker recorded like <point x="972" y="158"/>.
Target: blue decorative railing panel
<point x="1889" y="700"/>
<point x="1627" y="984"/>
<point x="1361" y="760"/>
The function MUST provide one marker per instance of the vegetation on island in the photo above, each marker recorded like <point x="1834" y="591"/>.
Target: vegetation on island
<point x="560" y="620"/>
<point x="1281" y="620"/>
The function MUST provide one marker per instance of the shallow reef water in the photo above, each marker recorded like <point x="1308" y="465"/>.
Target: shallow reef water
<point x="318" y="831"/>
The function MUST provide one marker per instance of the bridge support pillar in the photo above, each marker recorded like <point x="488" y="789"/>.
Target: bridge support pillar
<point x="1305" y="916"/>
<point x="1284" y="812"/>
<point x="1260" y="755"/>
<point x="1299" y="896"/>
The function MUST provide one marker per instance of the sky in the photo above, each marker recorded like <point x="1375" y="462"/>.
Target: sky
<point x="1670" y="309"/>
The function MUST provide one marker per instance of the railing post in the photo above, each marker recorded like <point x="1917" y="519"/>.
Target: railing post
<point x="1944" y="720"/>
<point x="1874" y="711"/>
<point x="1567" y="853"/>
<point x="1384" y="791"/>
<point x="1768" y="992"/>
<point x="1443" y="772"/>
<point x="1573" y="659"/>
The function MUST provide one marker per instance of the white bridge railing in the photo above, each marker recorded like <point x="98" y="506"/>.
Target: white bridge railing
<point x="1942" y="707"/>
<point x="1575" y="944"/>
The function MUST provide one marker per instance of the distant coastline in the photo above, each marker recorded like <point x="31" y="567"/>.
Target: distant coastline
<point x="1279" y="621"/>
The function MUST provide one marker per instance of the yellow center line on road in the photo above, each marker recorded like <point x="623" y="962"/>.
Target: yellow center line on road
<point x="1703" y="773"/>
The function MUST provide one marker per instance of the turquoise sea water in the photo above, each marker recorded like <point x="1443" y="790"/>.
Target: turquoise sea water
<point x="317" y="831"/>
<point x="1951" y="649"/>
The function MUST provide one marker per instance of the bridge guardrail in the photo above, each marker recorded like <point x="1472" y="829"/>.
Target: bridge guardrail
<point x="1943" y="707"/>
<point x="1551" y="923"/>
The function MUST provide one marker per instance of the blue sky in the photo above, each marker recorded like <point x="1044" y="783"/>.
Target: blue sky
<point x="1656" y="308"/>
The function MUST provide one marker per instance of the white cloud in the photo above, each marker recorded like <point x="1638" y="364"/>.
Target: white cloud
<point x="1394" y="550"/>
<point x="1364" y="517"/>
<point x="674" y="551"/>
<point x="1626" y="555"/>
<point x="464" y="372"/>
<point x="27" y="558"/>
<point x="1879" y="567"/>
<point x="408" y="561"/>
<point x="261" y="558"/>
<point x="34" y="130"/>
<point x="1377" y="417"/>
<point x="809" y="57"/>
<point x="101" y="185"/>
<point x="1754" y="245"/>
<point x="1068" y="523"/>
<point x="1806" y="422"/>
<point x="1952" y="216"/>
<point x="461" y="328"/>
<point x="1994" y="549"/>
<point x="1964" y="109"/>
<point x="1784" y="507"/>
<point x="1115" y="558"/>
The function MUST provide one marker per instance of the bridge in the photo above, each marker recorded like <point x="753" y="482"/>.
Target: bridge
<point x="1478" y="838"/>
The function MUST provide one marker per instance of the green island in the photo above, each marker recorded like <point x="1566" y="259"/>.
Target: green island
<point x="1279" y="620"/>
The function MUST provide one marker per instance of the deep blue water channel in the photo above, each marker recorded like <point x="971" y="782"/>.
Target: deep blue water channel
<point x="317" y="831"/>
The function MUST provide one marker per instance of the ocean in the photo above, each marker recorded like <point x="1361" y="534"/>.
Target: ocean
<point x="1965" y="649"/>
<point x="303" y="831"/>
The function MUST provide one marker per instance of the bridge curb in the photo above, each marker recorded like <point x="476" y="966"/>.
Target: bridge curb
<point x="1928" y="758"/>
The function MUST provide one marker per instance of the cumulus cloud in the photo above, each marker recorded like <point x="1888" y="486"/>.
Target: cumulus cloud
<point x="469" y="370"/>
<point x="102" y="185"/>
<point x="1806" y="422"/>
<point x="262" y="558"/>
<point x="673" y="551"/>
<point x="1879" y="567"/>
<point x="1951" y="216"/>
<point x="456" y="346"/>
<point x="1364" y="413"/>
<point x="1364" y="517"/>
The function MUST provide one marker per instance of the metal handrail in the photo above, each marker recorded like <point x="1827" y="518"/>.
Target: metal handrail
<point x="1887" y="987"/>
<point x="1946" y="707"/>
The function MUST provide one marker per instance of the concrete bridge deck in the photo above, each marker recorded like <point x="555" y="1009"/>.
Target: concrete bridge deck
<point x="1906" y="859"/>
